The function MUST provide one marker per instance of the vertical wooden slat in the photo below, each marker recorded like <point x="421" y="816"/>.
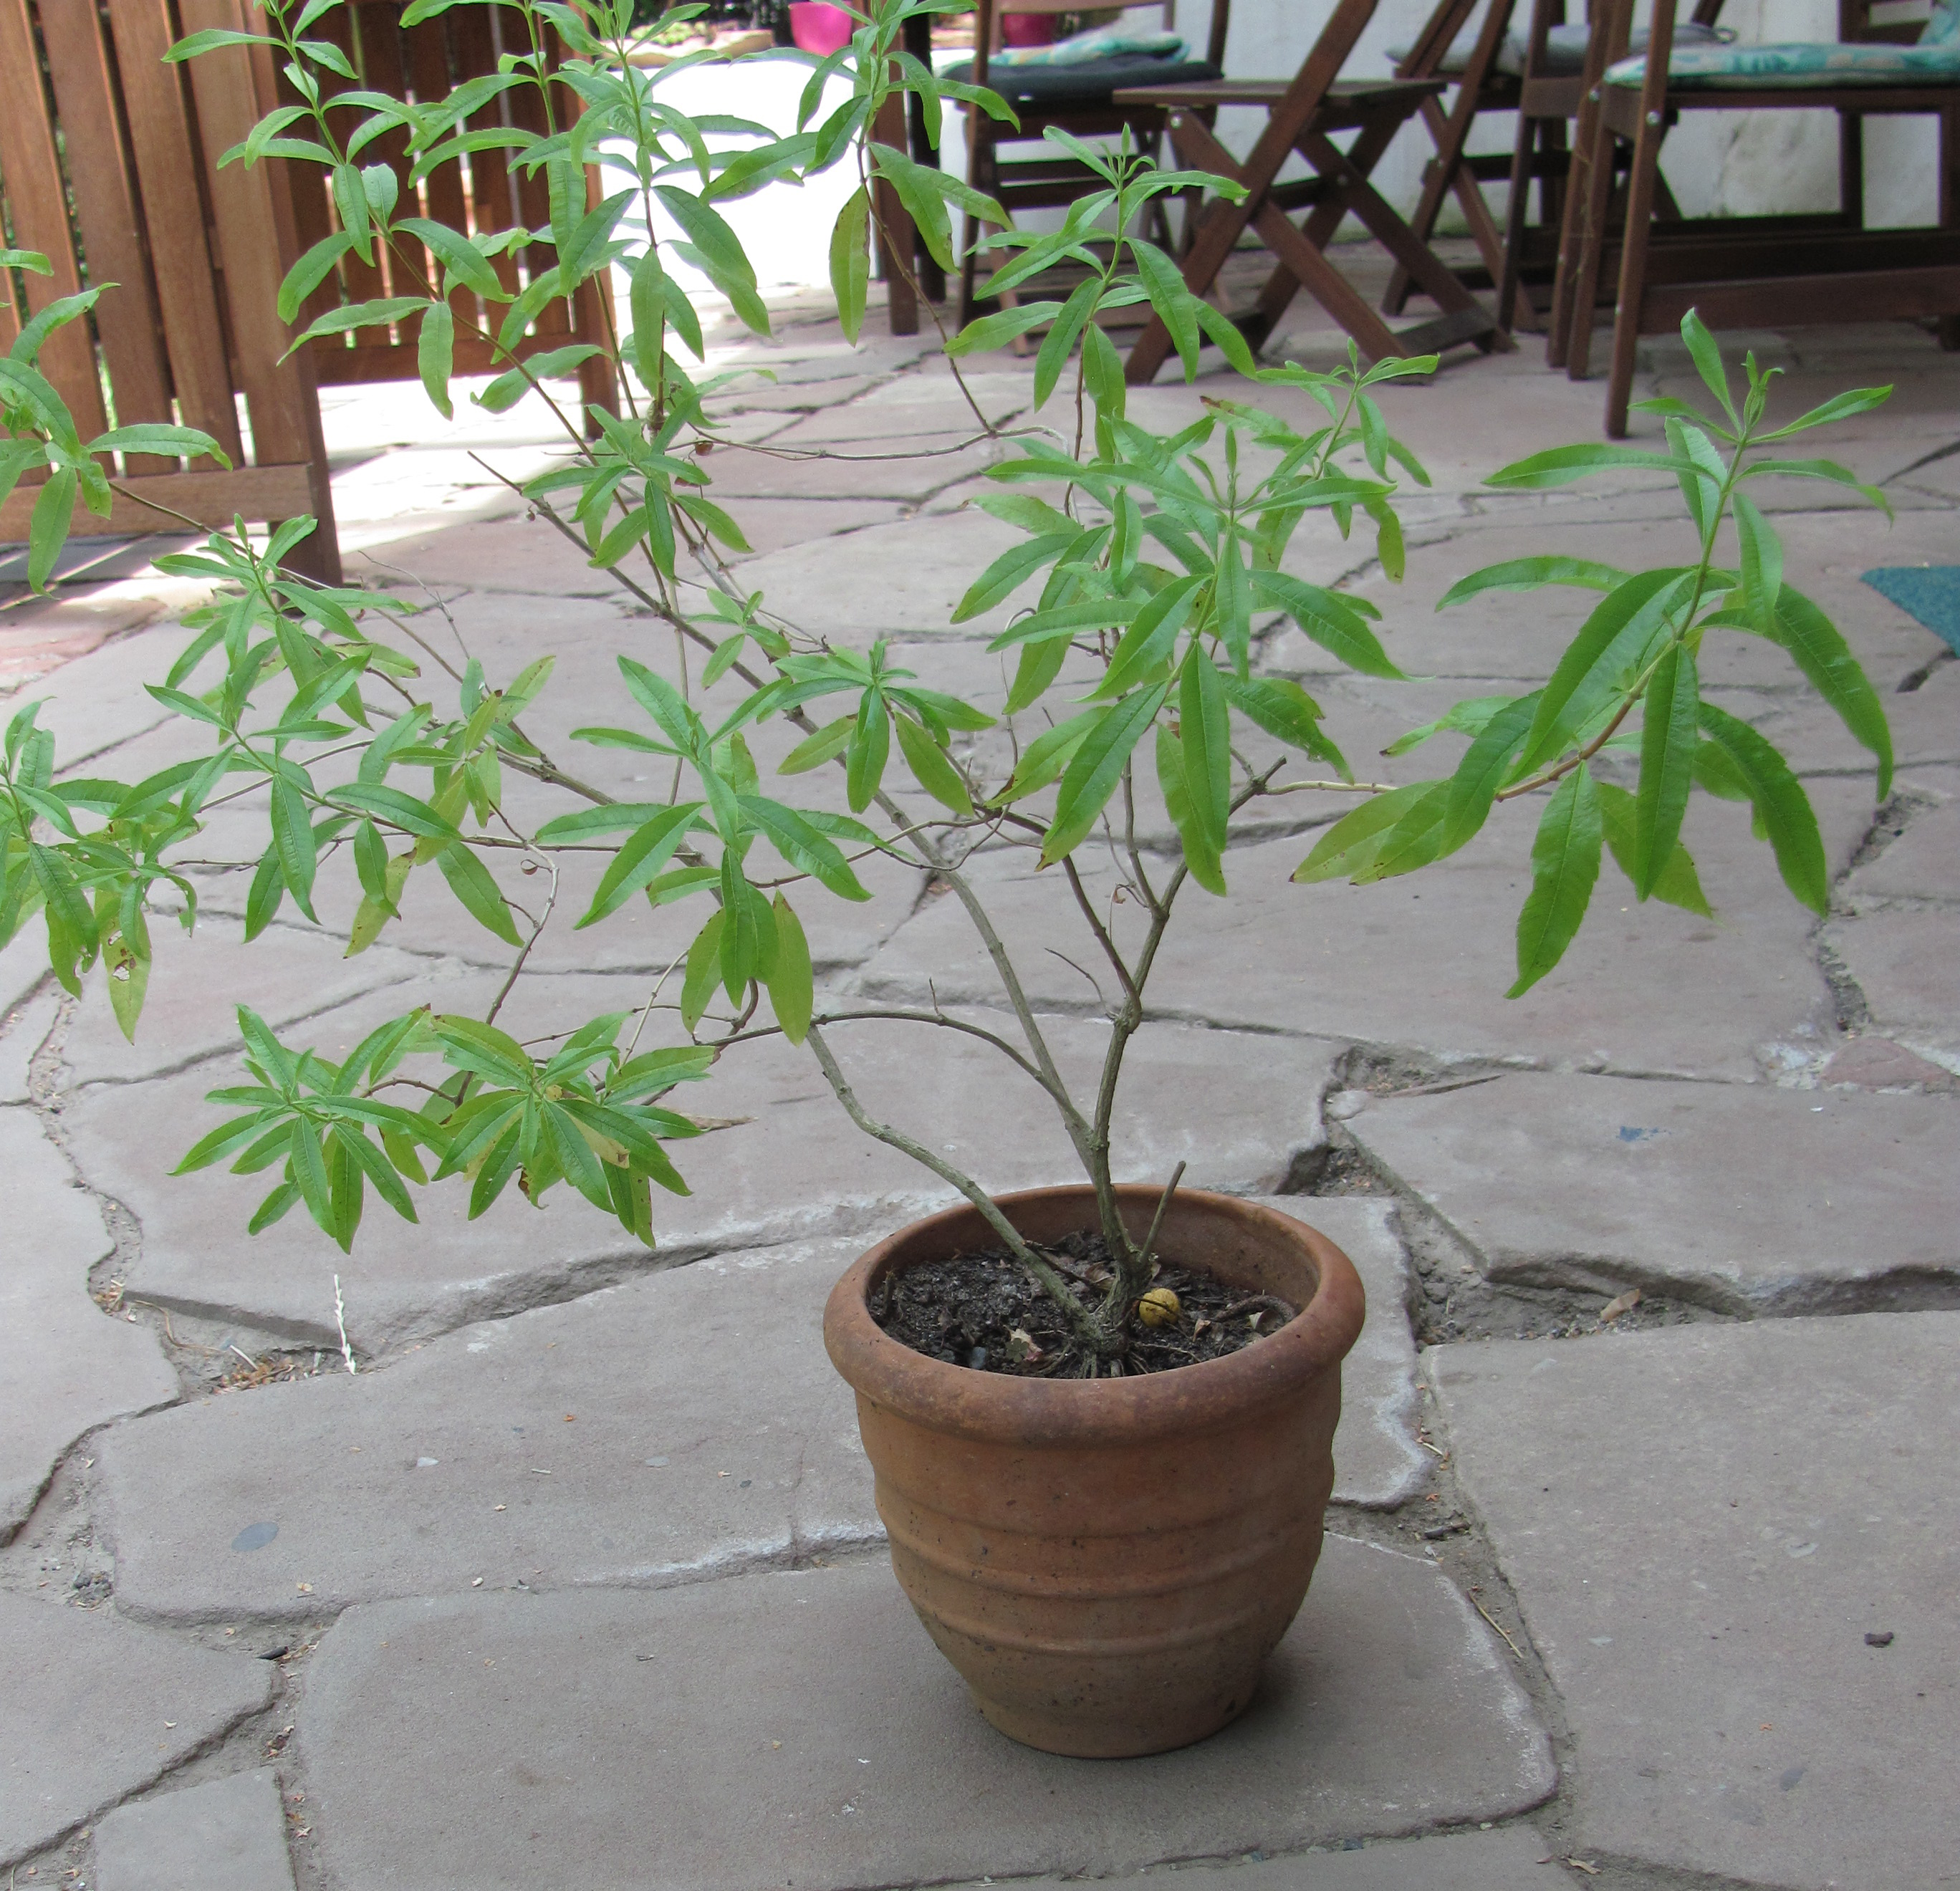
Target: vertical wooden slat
<point x="428" y="73"/>
<point x="255" y="233"/>
<point x="105" y="204"/>
<point x="379" y="21"/>
<point x="489" y="173"/>
<point x="35" y="196"/>
<point x="187" y="290"/>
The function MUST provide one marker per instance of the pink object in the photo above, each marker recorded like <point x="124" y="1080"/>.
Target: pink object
<point x="819" y="27"/>
<point x="1027" y="29"/>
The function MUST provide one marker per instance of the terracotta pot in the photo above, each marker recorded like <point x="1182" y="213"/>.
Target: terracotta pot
<point x="1109" y="1563"/>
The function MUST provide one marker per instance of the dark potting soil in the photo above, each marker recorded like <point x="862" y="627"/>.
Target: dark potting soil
<point x="982" y="1310"/>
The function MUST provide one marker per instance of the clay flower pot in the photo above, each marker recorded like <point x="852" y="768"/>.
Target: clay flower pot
<point x="1109" y="1563"/>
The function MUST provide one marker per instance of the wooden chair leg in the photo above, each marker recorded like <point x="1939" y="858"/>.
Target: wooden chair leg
<point x="1572" y="233"/>
<point x="1949" y="324"/>
<point x="1517" y="219"/>
<point x="1637" y="231"/>
<point x="1593" y="211"/>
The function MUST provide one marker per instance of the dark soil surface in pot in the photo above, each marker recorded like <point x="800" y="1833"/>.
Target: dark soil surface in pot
<point x="981" y="1310"/>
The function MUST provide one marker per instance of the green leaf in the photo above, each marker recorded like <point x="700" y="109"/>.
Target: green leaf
<point x="1331" y="621"/>
<point x="1011" y="569"/>
<point x="395" y="806"/>
<point x="1707" y="360"/>
<point x="1856" y="400"/>
<point x="1280" y="706"/>
<point x="1095" y="769"/>
<point x="1146" y="645"/>
<point x="703" y="973"/>
<point x="1480" y="773"/>
<point x="826" y="745"/>
<point x="47" y="525"/>
<point x="1608" y="643"/>
<point x="851" y="262"/>
<point x="1700" y="493"/>
<point x="791" y="984"/>
<point x="1762" y="566"/>
<point x="1469" y="717"/>
<point x="435" y="350"/>
<point x="1781" y="805"/>
<point x="1059" y="342"/>
<point x="1200" y="856"/>
<point x="1205" y="731"/>
<point x="988" y="332"/>
<point x="1565" y="865"/>
<point x="293" y="840"/>
<point x="470" y="881"/>
<point x="1801" y="627"/>
<point x="865" y="759"/>
<point x="457" y="254"/>
<point x="1668" y="742"/>
<point x="934" y="772"/>
<point x="185" y="443"/>
<point x="798" y="839"/>
<point x="651" y="846"/>
<point x="1562" y="465"/>
<point x="1349" y="845"/>
<point x="1163" y="283"/>
<point x="1677" y="884"/>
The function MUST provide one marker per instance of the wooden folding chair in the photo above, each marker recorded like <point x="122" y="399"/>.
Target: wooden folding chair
<point x="1483" y="83"/>
<point x="1768" y="271"/>
<point x="1080" y="99"/>
<point x="1303" y="115"/>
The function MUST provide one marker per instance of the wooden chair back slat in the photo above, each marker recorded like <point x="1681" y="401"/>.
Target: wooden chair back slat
<point x="105" y="201"/>
<point x="167" y="166"/>
<point x="36" y="198"/>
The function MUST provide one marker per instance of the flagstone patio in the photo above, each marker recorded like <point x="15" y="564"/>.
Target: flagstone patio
<point x="579" y="1580"/>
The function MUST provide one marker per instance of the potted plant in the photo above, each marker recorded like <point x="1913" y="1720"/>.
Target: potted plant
<point x="1106" y="1499"/>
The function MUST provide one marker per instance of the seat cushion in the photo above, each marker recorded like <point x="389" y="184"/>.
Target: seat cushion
<point x="1798" y="65"/>
<point x="1565" y="49"/>
<point x="1052" y="87"/>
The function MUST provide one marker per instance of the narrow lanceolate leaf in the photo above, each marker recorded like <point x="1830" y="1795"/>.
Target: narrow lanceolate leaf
<point x="930" y="768"/>
<point x="1812" y="640"/>
<point x="1668" y="739"/>
<point x="851" y="262"/>
<point x="650" y="848"/>
<point x="1332" y="623"/>
<point x="1095" y="768"/>
<point x="1530" y="574"/>
<point x="865" y="759"/>
<point x="1565" y="864"/>
<point x="292" y="836"/>
<point x="1781" y="805"/>
<point x="1147" y="643"/>
<point x="1012" y="569"/>
<point x="703" y="973"/>
<point x="1205" y="731"/>
<point x="791" y="984"/>
<point x="1481" y="772"/>
<point x="470" y="881"/>
<point x="1762" y="566"/>
<point x="1349" y="847"/>
<point x="435" y="353"/>
<point x="1608" y="644"/>
<point x="1677" y="884"/>
<point x="1199" y="853"/>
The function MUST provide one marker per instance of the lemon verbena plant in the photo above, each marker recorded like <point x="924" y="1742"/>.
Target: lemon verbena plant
<point x="1147" y="562"/>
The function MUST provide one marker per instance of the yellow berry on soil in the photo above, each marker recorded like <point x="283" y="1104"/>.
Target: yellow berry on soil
<point x="1159" y="1307"/>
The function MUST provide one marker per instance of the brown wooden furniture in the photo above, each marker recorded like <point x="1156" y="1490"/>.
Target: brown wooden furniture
<point x="1762" y="271"/>
<point x="1302" y="115"/>
<point x="196" y="253"/>
<point x="1084" y="100"/>
<point x="1482" y="85"/>
<point x="421" y="62"/>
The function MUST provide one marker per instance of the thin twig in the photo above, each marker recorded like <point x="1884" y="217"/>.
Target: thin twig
<point x="1156" y="1221"/>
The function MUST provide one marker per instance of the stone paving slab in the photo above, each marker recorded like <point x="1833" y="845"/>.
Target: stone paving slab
<point x="1424" y="961"/>
<point x="93" y="1709"/>
<point x="676" y="1427"/>
<point x="24" y="1029"/>
<point x="227" y="1835"/>
<point x="1744" y="1197"/>
<point x="702" y="1737"/>
<point x="1905" y="966"/>
<point x="1703" y="1525"/>
<point x="1924" y="862"/>
<point x="70" y="1367"/>
<point x="93" y="703"/>
<point x="1510" y="1858"/>
<point x="1239" y="1110"/>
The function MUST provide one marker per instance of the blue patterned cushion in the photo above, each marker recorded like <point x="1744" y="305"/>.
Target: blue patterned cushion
<point x="1944" y="28"/>
<point x="1796" y="65"/>
<point x="1565" y="49"/>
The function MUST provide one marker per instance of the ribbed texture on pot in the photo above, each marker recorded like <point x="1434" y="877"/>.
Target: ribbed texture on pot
<point x="1108" y="1563"/>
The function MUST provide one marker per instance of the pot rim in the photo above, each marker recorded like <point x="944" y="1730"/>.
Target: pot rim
<point x="1187" y="1399"/>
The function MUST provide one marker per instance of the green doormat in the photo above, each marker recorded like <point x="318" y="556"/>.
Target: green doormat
<point x="1929" y="592"/>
